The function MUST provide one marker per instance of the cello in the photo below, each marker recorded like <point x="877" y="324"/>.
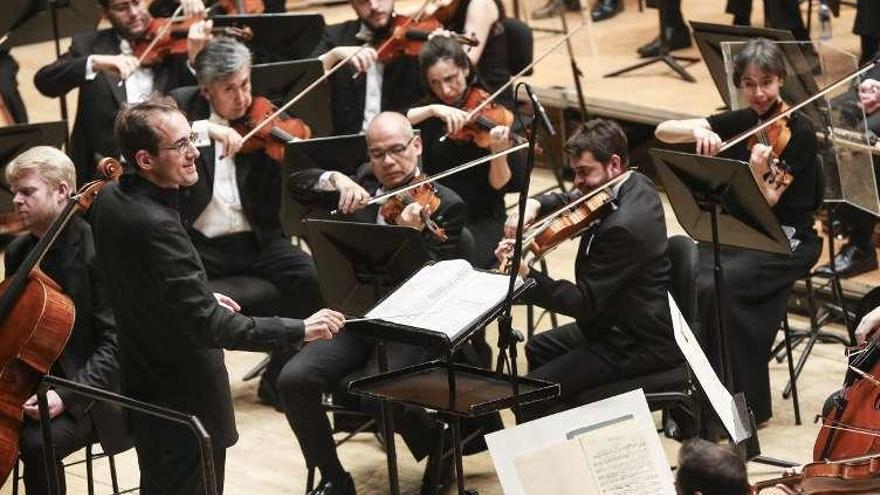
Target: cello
<point x="36" y="319"/>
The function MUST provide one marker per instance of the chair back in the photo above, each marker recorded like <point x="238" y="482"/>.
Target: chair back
<point x="520" y="44"/>
<point x="683" y="253"/>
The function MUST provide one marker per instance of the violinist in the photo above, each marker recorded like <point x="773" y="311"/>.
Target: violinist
<point x="621" y="278"/>
<point x="366" y="87"/>
<point x="448" y="73"/>
<point x="757" y="284"/>
<point x="393" y="149"/>
<point x="42" y="179"/>
<point x="96" y="63"/>
<point x="172" y="329"/>
<point x="231" y="212"/>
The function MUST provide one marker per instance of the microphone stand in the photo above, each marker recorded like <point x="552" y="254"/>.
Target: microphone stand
<point x="508" y="337"/>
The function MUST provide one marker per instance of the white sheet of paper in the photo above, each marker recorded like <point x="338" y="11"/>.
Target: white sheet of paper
<point x="719" y="397"/>
<point x="613" y="434"/>
<point x="445" y="297"/>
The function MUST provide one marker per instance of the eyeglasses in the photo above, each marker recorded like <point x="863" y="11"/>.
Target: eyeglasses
<point x="182" y="145"/>
<point x="395" y="151"/>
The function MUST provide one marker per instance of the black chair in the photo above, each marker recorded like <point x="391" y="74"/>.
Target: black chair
<point x="89" y="460"/>
<point x="675" y="387"/>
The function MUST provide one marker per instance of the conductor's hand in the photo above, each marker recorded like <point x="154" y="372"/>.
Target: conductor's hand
<point x="454" y="118"/>
<point x="120" y="66"/>
<point x="352" y="197"/>
<point x="227" y="302"/>
<point x="227" y="136"/>
<point x="323" y="325"/>
<point x="56" y="405"/>
<point x="868" y="326"/>
<point x="707" y="141"/>
<point x="532" y="208"/>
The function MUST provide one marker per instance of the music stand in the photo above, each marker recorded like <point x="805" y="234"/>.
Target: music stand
<point x="280" y="81"/>
<point x="278" y="37"/>
<point x="16" y="139"/>
<point x="671" y="61"/>
<point x="340" y="153"/>
<point x="717" y="201"/>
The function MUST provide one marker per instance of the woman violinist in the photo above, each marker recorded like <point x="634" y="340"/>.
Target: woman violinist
<point x="448" y="73"/>
<point x="756" y="284"/>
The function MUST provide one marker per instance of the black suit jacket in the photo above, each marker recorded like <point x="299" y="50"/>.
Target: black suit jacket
<point x="91" y="354"/>
<point x="401" y="86"/>
<point x="171" y="329"/>
<point x="619" y="295"/>
<point x="9" y="87"/>
<point x="100" y="98"/>
<point x="257" y="175"/>
<point x="451" y="215"/>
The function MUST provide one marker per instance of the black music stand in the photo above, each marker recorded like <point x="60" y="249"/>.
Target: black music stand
<point x="280" y="81"/>
<point x="278" y="37"/>
<point x="671" y="61"/>
<point x="16" y="139"/>
<point x="340" y="153"/>
<point x="717" y="201"/>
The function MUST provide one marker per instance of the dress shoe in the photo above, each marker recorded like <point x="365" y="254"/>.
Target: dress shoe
<point x="676" y="38"/>
<point x="606" y="9"/>
<point x="340" y="486"/>
<point x="852" y="260"/>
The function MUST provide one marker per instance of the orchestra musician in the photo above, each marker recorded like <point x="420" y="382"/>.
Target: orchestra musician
<point x="42" y="179"/>
<point x="673" y="30"/>
<point x="619" y="296"/>
<point x="172" y="329"/>
<point x="449" y="76"/>
<point x="706" y="468"/>
<point x="757" y="284"/>
<point x="231" y="212"/>
<point x="96" y="63"/>
<point x="393" y="149"/>
<point x="867" y="26"/>
<point x="779" y="14"/>
<point x="356" y="99"/>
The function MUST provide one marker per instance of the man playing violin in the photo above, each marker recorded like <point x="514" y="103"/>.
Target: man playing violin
<point x="172" y="328"/>
<point x="42" y="179"/>
<point x="366" y="87"/>
<point x="619" y="296"/>
<point x="231" y="212"/>
<point x="756" y="284"/>
<point x="96" y="63"/>
<point x="394" y="150"/>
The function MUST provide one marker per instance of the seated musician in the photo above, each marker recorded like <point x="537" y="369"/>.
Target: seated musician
<point x="231" y="212"/>
<point x="449" y="75"/>
<point x="172" y="328"/>
<point x="356" y="99"/>
<point x="619" y="296"/>
<point x="42" y="179"/>
<point x="757" y="284"/>
<point x="95" y="63"/>
<point x="706" y="468"/>
<point x="394" y="151"/>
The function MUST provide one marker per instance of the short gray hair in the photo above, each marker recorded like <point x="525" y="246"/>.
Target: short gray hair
<point x="220" y="59"/>
<point x="49" y="163"/>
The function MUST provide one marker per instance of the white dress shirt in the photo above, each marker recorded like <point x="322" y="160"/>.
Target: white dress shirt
<point x="139" y="84"/>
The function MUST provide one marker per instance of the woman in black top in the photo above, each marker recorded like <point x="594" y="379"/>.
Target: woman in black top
<point x="449" y="75"/>
<point x="756" y="284"/>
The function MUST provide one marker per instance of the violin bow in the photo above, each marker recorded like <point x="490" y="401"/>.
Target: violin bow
<point x="767" y="123"/>
<point x="514" y="77"/>
<point x="446" y="173"/>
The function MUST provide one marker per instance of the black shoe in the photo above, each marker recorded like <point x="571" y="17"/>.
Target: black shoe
<point x="341" y="486"/>
<point x="852" y="260"/>
<point x="676" y="39"/>
<point x="267" y="393"/>
<point x="434" y="482"/>
<point x="606" y="9"/>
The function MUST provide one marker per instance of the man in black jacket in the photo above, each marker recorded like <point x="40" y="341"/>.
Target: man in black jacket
<point x="366" y="87"/>
<point x="96" y="63"/>
<point x="42" y="179"/>
<point x="172" y="329"/>
<point x="619" y="297"/>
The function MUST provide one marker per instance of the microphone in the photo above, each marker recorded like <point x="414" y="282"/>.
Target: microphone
<point x="539" y="109"/>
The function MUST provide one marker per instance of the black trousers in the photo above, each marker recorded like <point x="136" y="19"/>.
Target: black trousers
<point x="779" y="14"/>
<point x="318" y="368"/>
<point x="68" y="436"/>
<point x="562" y="355"/>
<point x="755" y="294"/>
<point x="176" y="469"/>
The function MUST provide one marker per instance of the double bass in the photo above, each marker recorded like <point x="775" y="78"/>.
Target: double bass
<point x="36" y="319"/>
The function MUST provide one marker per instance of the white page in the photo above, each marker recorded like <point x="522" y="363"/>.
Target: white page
<point x="719" y="397"/>
<point x="559" y="469"/>
<point x="445" y="297"/>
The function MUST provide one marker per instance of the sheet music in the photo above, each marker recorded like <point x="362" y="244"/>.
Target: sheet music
<point x="445" y="297"/>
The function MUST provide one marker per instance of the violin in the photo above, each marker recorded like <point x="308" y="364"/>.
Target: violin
<point x="776" y="136"/>
<point x="273" y="131"/>
<point x="851" y="476"/>
<point x="167" y="38"/>
<point x="486" y="117"/>
<point x="407" y="35"/>
<point x="36" y="319"/>
<point x="239" y="7"/>
<point x="426" y="195"/>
